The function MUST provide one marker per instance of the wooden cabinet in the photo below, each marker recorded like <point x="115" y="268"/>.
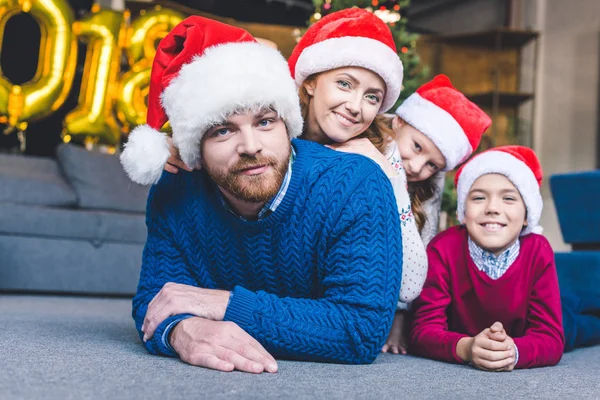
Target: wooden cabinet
<point x="496" y="69"/>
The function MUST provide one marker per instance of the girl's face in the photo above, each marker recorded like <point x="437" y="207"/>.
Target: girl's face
<point x="343" y="104"/>
<point x="420" y="157"/>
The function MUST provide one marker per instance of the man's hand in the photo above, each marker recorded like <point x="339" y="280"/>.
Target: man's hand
<point x="175" y="298"/>
<point x="491" y="350"/>
<point x="219" y="345"/>
<point x="396" y="341"/>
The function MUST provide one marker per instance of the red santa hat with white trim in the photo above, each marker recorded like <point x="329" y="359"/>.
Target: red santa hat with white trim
<point x="443" y="114"/>
<point x="203" y="71"/>
<point x="353" y="37"/>
<point x="520" y="165"/>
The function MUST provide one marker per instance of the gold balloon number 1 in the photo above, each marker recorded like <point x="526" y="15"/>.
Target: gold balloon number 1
<point x="93" y="117"/>
<point x="103" y="90"/>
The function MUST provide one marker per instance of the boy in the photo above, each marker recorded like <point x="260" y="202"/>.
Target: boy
<point x="491" y="297"/>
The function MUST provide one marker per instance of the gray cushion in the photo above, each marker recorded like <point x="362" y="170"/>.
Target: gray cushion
<point x="34" y="180"/>
<point x="96" y="227"/>
<point x="64" y="265"/>
<point x="100" y="181"/>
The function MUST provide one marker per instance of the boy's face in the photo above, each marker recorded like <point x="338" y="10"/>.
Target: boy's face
<point x="420" y="156"/>
<point x="494" y="213"/>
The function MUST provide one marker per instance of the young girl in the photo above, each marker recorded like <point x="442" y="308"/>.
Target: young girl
<point x="491" y="297"/>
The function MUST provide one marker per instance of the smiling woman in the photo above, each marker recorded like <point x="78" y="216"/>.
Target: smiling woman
<point x="340" y="104"/>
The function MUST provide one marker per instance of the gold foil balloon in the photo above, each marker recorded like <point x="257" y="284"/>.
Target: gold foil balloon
<point x="142" y="37"/>
<point x="93" y="117"/>
<point x="50" y="86"/>
<point x="133" y="91"/>
<point x="147" y="30"/>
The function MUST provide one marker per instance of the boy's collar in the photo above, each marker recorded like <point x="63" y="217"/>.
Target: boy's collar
<point x="474" y="248"/>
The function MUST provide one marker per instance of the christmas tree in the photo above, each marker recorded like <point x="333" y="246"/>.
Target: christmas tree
<point x="390" y="11"/>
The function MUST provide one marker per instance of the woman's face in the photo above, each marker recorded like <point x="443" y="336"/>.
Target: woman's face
<point x="420" y="157"/>
<point x="343" y="104"/>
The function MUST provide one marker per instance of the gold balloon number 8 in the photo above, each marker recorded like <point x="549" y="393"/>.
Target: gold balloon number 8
<point x="142" y="38"/>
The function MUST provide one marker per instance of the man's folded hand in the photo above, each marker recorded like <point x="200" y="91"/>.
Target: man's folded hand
<point x="219" y="345"/>
<point x="175" y="298"/>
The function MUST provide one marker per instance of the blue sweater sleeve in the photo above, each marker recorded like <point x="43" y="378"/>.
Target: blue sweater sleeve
<point x="161" y="263"/>
<point x="360" y="274"/>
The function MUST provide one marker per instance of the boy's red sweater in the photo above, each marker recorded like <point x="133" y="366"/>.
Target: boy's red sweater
<point x="458" y="301"/>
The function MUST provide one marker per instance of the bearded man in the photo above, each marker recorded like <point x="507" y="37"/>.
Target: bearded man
<point x="270" y="249"/>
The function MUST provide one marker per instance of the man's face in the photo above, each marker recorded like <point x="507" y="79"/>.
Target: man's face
<point x="494" y="213"/>
<point x="247" y="155"/>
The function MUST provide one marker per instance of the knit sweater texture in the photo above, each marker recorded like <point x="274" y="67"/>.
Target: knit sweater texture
<point x="316" y="280"/>
<point x="458" y="300"/>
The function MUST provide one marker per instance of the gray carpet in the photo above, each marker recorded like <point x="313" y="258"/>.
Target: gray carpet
<point x="78" y="348"/>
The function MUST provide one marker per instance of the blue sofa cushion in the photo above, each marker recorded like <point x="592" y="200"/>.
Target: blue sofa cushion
<point x="33" y="180"/>
<point x="100" y="181"/>
<point x="96" y="227"/>
<point x="577" y="199"/>
<point x="579" y="271"/>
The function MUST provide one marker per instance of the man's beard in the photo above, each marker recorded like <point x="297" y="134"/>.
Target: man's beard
<point x="251" y="188"/>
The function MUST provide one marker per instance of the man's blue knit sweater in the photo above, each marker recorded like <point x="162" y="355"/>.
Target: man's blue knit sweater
<point x="316" y="280"/>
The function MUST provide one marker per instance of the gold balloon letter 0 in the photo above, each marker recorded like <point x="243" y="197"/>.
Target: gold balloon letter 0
<point x="142" y="37"/>
<point x="93" y="118"/>
<point x="50" y="86"/>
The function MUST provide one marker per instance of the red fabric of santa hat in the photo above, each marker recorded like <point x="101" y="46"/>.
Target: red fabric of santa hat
<point x="443" y="114"/>
<point x="203" y="71"/>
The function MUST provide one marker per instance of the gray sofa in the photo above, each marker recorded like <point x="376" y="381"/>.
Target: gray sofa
<point x="74" y="224"/>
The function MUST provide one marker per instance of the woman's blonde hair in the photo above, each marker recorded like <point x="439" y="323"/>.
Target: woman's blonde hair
<point x="380" y="133"/>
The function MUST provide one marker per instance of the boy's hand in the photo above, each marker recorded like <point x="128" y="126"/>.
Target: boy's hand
<point x="493" y="349"/>
<point x="498" y="333"/>
<point x="396" y="342"/>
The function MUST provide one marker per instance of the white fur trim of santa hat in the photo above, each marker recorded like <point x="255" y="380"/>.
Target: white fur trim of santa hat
<point x="354" y="51"/>
<point x="519" y="173"/>
<point x="225" y="79"/>
<point x="439" y="126"/>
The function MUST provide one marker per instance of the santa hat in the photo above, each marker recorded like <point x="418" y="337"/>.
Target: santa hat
<point x="203" y="71"/>
<point x="520" y="165"/>
<point x="443" y="114"/>
<point x="352" y="37"/>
